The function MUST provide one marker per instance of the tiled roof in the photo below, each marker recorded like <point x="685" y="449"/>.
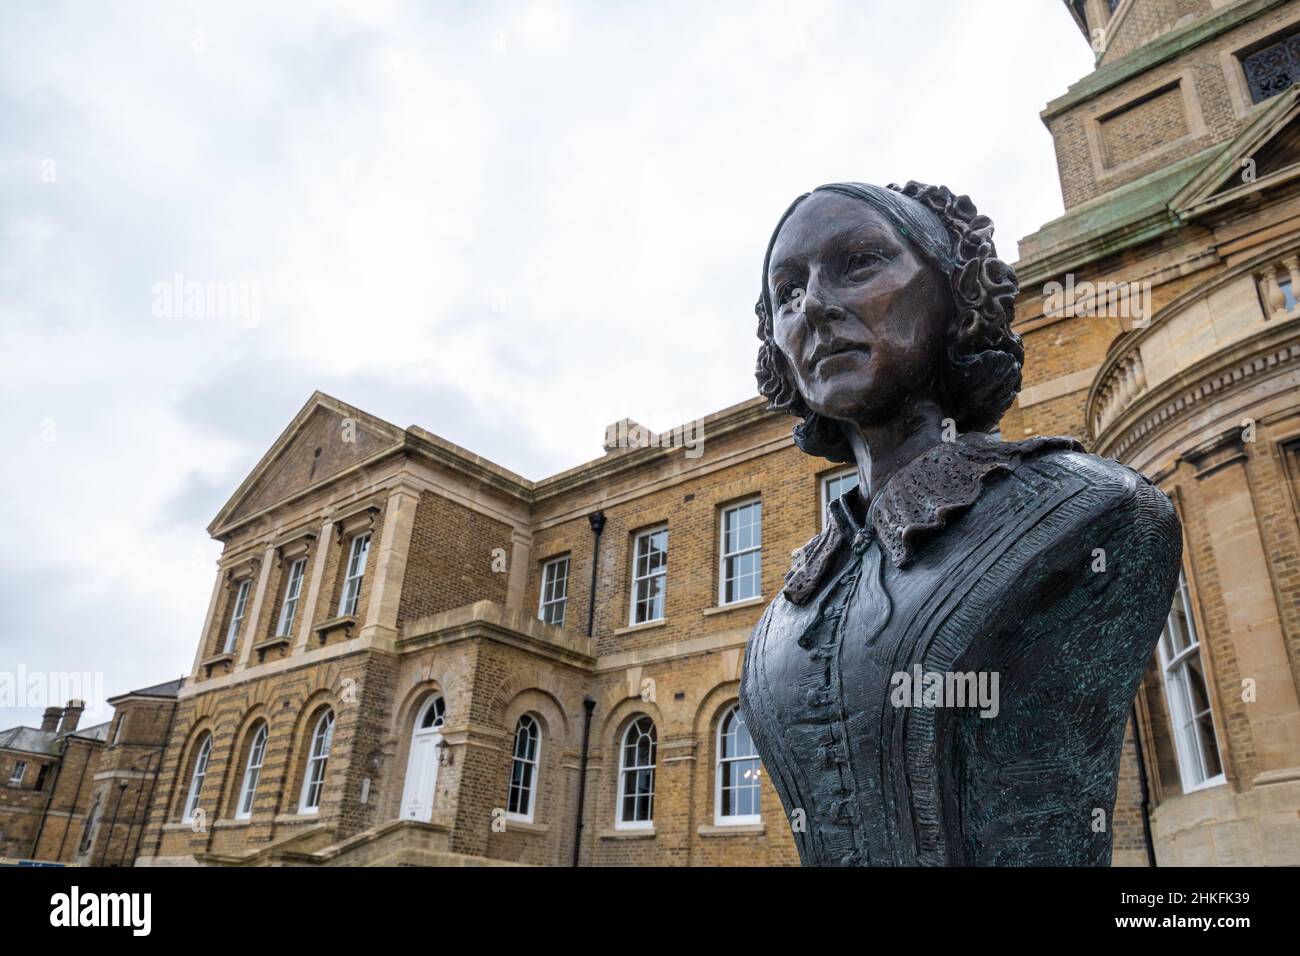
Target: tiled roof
<point x="97" y="732"/>
<point x="169" y="689"/>
<point x="28" y="739"/>
<point x="33" y="741"/>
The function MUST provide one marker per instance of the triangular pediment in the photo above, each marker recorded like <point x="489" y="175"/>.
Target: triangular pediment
<point x="325" y="439"/>
<point x="1278" y="153"/>
<point x="1264" y="154"/>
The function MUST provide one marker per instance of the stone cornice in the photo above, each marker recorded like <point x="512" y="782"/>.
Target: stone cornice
<point x="417" y="443"/>
<point x="1272" y="347"/>
<point x="486" y="619"/>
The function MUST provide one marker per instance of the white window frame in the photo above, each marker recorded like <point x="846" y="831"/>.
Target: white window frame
<point x="1187" y="743"/>
<point x="826" y="488"/>
<point x="532" y="769"/>
<point x="17" y="774"/>
<point x="252" y="773"/>
<point x="637" y="579"/>
<point x="318" y="755"/>
<point x="358" y="554"/>
<point x="237" y="616"/>
<point x="724" y="555"/>
<point x="733" y="819"/>
<point x="624" y="770"/>
<point x="292" y="594"/>
<point x="197" y="776"/>
<point x="549" y="578"/>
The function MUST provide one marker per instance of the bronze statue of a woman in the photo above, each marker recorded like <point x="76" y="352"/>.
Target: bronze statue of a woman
<point x="946" y="676"/>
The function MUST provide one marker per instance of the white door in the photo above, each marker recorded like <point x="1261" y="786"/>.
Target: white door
<point x="422" y="766"/>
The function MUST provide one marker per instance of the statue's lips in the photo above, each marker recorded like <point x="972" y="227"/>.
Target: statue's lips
<point x="821" y="356"/>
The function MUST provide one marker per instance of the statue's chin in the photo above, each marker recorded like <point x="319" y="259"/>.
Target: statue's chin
<point x="852" y="408"/>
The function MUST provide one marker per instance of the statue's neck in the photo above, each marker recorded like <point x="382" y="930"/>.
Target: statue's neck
<point x="882" y="448"/>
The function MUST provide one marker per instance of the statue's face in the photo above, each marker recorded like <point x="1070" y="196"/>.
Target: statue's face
<point x="858" y="314"/>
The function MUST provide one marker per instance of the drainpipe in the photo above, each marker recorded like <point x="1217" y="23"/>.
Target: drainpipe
<point x="589" y="704"/>
<point x="1146" y="795"/>
<point x="597" y="520"/>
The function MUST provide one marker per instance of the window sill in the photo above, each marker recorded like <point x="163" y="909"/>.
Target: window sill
<point x="732" y="829"/>
<point x="212" y="663"/>
<point x="344" y="623"/>
<point x="525" y="826"/>
<point x="634" y="628"/>
<point x="282" y="642"/>
<point x="633" y="833"/>
<point x="735" y="605"/>
<point x="177" y="827"/>
<point x="231" y="824"/>
<point x="297" y="817"/>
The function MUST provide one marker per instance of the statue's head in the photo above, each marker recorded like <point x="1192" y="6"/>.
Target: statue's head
<point x="875" y="299"/>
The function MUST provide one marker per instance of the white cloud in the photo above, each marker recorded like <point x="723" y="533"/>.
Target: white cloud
<point x="511" y="223"/>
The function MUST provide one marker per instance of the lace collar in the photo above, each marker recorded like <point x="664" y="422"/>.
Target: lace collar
<point x="917" y="500"/>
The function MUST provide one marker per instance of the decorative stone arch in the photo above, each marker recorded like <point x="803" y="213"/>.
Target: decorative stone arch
<point x="243" y="740"/>
<point x="711" y="708"/>
<point x="545" y="706"/>
<point x="409" y="706"/>
<point x="517" y="683"/>
<point x="622" y="714"/>
<point x="304" y="725"/>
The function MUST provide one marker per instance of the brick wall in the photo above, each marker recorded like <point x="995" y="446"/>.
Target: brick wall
<point x="451" y="559"/>
<point x="1139" y="128"/>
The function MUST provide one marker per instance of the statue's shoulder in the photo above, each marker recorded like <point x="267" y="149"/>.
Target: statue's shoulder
<point x="1115" y="499"/>
<point x="1111" y="482"/>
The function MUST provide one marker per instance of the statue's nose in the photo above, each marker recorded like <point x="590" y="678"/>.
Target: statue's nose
<point x="820" y="305"/>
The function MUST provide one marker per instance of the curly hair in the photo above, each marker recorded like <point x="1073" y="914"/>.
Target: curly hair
<point x="981" y="376"/>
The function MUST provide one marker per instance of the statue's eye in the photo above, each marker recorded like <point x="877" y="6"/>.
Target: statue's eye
<point x="789" y="292"/>
<point x="859" y="261"/>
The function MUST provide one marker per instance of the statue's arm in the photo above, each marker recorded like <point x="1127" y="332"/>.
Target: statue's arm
<point x="1091" y="590"/>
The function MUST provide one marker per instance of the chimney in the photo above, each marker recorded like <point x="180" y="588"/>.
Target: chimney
<point x="626" y="433"/>
<point x="50" y="721"/>
<point x="71" y="716"/>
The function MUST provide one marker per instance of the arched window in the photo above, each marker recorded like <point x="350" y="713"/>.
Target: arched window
<point x="196" y="778"/>
<point x="252" y="771"/>
<point x="523" y="769"/>
<point x="435" y="713"/>
<point x="636" y="776"/>
<point x="313" y="778"/>
<point x="736" y="795"/>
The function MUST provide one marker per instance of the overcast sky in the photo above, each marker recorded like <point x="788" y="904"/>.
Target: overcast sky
<point x="509" y="223"/>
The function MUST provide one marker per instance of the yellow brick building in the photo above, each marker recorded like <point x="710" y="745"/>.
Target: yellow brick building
<point x="427" y="713"/>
